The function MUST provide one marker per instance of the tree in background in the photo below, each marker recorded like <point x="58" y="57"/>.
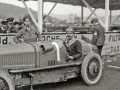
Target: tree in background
<point x="77" y="20"/>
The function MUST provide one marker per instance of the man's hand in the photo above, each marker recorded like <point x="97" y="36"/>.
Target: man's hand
<point x="5" y="31"/>
<point x="70" y="57"/>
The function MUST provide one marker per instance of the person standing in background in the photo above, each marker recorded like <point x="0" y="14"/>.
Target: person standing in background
<point x="3" y="28"/>
<point x="10" y="25"/>
<point x="22" y="25"/>
<point x="98" y="35"/>
<point x="16" y="26"/>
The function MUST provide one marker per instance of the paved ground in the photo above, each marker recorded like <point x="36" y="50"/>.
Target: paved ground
<point x="110" y="81"/>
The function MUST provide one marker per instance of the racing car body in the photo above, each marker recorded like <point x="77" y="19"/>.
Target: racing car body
<point x="46" y="62"/>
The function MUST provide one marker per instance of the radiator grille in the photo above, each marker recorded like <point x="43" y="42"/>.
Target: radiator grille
<point x="18" y="60"/>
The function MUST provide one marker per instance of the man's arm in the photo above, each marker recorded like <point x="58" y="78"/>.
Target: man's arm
<point x="79" y="50"/>
<point x="37" y="33"/>
<point x="78" y="54"/>
<point x="85" y="39"/>
<point x="91" y="28"/>
<point x="17" y="36"/>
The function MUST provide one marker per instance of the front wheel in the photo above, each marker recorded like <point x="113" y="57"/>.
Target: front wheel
<point x="6" y="82"/>
<point x="91" y="69"/>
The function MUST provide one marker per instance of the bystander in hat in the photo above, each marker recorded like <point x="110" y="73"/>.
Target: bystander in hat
<point x="10" y="19"/>
<point x="16" y="23"/>
<point x="3" y="28"/>
<point x="4" y="22"/>
<point x="26" y="18"/>
<point x="22" y="25"/>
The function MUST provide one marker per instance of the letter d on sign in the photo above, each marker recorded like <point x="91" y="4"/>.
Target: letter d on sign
<point x="5" y="41"/>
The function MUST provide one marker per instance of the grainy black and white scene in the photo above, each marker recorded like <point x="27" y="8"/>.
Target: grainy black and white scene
<point x="59" y="44"/>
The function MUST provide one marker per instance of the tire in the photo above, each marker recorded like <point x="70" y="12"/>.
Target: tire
<point x="91" y="69"/>
<point x="6" y="83"/>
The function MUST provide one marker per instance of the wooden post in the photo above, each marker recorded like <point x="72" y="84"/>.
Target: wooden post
<point x="110" y="17"/>
<point x="40" y="15"/>
<point x="106" y="15"/>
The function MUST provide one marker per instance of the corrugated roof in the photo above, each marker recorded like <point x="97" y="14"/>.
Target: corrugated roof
<point x="114" y="4"/>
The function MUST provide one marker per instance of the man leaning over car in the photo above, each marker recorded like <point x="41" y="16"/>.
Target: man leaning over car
<point x="28" y="33"/>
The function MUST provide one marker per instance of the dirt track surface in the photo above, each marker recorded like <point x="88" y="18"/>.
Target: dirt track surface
<point x="110" y="80"/>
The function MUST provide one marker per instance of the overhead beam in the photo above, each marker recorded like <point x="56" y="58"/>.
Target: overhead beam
<point x="96" y="2"/>
<point x="106" y="15"/>
<point x="89" y="16"/>
<point x="40" y="15"/>
<point x="50" y="11"/>
<point x="116" y="19"/>
<point x="87" y="5"/>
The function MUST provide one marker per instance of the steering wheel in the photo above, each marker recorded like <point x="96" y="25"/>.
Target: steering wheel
<point x="64" y="42"/>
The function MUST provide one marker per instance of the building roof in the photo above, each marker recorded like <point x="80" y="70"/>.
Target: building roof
<point x="114" y="4"/>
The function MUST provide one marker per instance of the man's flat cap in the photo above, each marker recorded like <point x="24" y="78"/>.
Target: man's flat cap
<point x="16" y="23"/>
<point x="26" y="18"/>
<point x="70" y="29"/>
<point x="10" y="19"/>
<point x="4" y="22"/>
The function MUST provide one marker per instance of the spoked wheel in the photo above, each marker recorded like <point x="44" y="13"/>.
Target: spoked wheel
<point x="91" y="69"/>
<point x="3" y="84"/>
<point x="6" y="83"/>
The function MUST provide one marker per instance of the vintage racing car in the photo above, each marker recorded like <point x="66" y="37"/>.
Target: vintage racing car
<point x="46" y="62"/>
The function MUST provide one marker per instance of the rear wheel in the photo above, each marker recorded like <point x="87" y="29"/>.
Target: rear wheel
<point x="91" y="69"/>
<point x="6" y="82"/>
